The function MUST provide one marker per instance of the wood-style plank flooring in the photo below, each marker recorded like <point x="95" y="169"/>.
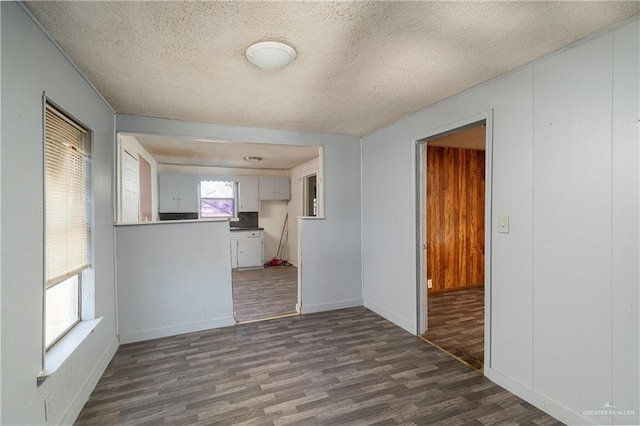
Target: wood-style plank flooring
<point x="265" y="293"/>
<point x="346" y="367"/>
<point x="456" y="324"/>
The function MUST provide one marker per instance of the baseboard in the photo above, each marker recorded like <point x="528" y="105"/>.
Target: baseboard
<point x="176" y="330"/>
<point x="83" y="396"/>
<point x="547" y="405"/>
<point x="321" y="307"/>
<point x="400" y="322"/>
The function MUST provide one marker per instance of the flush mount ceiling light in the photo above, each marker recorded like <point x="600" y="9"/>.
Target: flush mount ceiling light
<point x="253" y="159"/>
<point x="270" y="55"/>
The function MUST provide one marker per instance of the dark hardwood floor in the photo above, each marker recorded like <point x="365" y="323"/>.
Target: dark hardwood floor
<point x="456" y="324"/>
<point x="265" y="293"/>
<point x="346" y="367"/>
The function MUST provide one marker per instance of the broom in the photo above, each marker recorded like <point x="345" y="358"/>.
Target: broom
<point x="277" y="261"/>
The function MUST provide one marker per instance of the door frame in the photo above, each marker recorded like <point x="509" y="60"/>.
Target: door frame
<point x="420" y="142"/>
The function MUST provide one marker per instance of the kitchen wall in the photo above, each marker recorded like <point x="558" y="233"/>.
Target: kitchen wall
<point x="563" y="317"/>
<point x="334" y="241"/>
<point x="297" y="200"/>
<point x="31" y="65"/>
<point x="131" y="145"/>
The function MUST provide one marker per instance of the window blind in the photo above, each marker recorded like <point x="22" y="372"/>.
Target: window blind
<point x="66" y="198"/>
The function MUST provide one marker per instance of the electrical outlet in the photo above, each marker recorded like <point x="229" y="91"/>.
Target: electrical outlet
<point x="48" y="407"/>
<point x="429" y="283"/>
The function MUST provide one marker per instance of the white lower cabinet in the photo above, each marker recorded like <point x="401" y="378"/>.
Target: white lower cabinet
<point x="246" y="249"/>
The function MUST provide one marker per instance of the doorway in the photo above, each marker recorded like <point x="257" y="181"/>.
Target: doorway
<point x="130" y="188"/>
<point x="453" y="277"/>
<point x="311" y="196"/>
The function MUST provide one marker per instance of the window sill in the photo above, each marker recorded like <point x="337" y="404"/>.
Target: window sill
<point x="55" y="357"/>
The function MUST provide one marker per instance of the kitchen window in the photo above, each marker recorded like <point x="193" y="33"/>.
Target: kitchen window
<point x="217" y="198"/>
<point x="67" y="221"/>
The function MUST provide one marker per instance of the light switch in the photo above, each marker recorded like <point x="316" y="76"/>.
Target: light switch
<point x="503" y="224"/>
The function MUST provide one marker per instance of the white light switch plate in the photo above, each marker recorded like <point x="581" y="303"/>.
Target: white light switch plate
<point x="503" y="224"/>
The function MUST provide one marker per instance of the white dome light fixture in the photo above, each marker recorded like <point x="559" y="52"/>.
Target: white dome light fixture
<point x="253" y="159"/>
<point x="270" y="55"/>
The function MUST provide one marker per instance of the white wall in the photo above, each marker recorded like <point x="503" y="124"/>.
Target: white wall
<point x="133" y="147"/>
<point x="1" y="281"/>
<point x="31" y="65"/>
<point x="173" y="278"/>
<point x="296" y="205"/>
<point x="564" y="282"/>
<point x="333" y="244"/>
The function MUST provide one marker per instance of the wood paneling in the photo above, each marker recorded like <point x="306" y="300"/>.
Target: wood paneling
<point x="455" y="218"/>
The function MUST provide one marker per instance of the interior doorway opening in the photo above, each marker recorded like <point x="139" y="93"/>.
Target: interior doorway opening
<point x="311" y="195"/>
<point x="454" y="221"/>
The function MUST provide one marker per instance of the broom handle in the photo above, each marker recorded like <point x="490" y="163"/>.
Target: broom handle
<point x="286" y="219"/>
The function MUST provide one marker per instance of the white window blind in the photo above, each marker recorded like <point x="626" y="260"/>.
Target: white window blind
<point x="66" y="198"/>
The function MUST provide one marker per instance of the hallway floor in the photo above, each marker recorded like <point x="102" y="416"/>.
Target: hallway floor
<point x="456" y="324"/>
<point x="265" y="293"/>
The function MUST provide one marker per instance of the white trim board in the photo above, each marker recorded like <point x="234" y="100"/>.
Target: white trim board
<point x="390" y="316"/>
<point x="322" y="307"/>
<point x="545" y="404"/>
<point x="176" y="330"/>
<point x="76" y="406"/>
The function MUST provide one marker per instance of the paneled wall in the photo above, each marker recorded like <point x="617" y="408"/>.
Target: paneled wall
<point x="563" y="317"/>
<point x="455" y="218"/>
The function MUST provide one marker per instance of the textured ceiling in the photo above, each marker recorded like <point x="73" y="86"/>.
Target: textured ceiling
<point x="360" y="65"/>
<point x="224" y="154"/>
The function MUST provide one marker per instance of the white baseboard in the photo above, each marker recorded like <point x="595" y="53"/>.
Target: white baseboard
<point x="76" y="406"/>
<point x="175" y="330"/>
<point x="322" y="307"/>
<point x="550" y="407"/>
<point x="400" y="322"/>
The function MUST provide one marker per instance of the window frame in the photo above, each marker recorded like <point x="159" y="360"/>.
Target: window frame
<point x="85" y="274"/>
<point x="234" y="199"/>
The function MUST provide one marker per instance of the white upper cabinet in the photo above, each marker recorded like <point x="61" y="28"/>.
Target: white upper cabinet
<point x="248" y="194"/>
<point x="275" y="189"/>
<point x="178" y="194"/>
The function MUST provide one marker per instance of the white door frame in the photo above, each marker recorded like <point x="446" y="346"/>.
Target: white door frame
<point x="421" y="243"/>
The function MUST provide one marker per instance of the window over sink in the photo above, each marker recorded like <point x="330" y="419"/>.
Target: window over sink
<point x="217" y="198"/>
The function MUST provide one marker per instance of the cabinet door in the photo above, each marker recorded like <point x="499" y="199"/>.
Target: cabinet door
<point x="187" y="194"/>
<point x="281" y="189"/>
<point x="267" y="189"/>
<point x="249" y="194"/>
<point x="234" y="253"/>
<point x="250" y="252"/>
<point x="168" y="193"/>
